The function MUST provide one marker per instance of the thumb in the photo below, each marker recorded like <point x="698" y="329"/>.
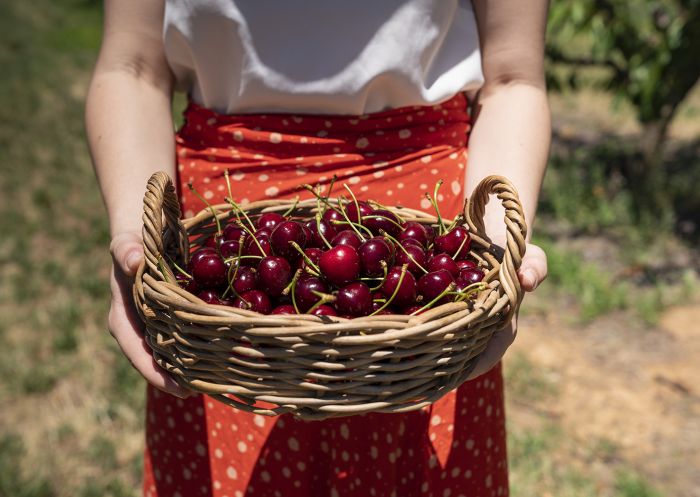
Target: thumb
<point x="533" y="269"/>
<point x="127" y="252"/>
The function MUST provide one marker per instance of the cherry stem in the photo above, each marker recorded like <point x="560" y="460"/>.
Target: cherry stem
<point x="291" y="287"/>
<point x="252" y="235"/>
<point x="318" y="229"/>
<point x="330" y="186"/>
<point x="352" y="225"/>
<point x="213" y="212"/>
<point x="179" y="269"/>
<point x="396" y="242"/>
<point x="357" y="204"/>
<point x="381" y="281"/>
<point x="324" y="298"/>
<point x="376" y="216"/>
<point x="161" y="268"/>
<point x="237" y="208"/>
<point x="427" y="306"/>
<point x="393" y="210"/>
<point x="293" y="206"/>
<point x="308" y="261"/>
<point x="461" y="246"/>
<point x="433" y="201"/>
<point x="232" y="279"/>
<point x="404" y="268"/>
<point x="344" y="223"/>
<point x="467" y="292"/>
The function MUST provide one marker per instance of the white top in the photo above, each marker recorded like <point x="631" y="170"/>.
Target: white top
<point x="321" y="56"/>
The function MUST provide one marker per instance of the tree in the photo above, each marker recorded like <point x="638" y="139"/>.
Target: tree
<point x="648" y="52"/>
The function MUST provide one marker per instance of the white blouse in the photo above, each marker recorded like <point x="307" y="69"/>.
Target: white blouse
<point x="321" y="56"/>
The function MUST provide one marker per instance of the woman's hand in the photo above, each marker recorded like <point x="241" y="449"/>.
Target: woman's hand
<point x="124" y="323"/>
<point x="532" y="272"/>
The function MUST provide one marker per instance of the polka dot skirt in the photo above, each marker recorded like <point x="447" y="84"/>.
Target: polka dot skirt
<point x="200" y="447"/>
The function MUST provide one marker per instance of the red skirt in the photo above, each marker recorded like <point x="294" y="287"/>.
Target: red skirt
<point x="200" y="447"/>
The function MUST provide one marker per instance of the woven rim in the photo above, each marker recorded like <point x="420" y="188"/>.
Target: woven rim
<point x="319" y="366"/>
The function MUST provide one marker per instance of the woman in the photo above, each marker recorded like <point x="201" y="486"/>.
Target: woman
<point x="284" y="93"/>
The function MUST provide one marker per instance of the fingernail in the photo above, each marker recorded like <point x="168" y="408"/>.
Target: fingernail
<point x="133" y="260"/>
<point x="531" y="278"/>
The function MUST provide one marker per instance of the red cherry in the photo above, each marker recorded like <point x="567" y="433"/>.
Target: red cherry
<point x="431" y="285"/>
<point x="314" y="254"/>
<point x="210" y="297"/>
<point x="451" y="242"/>
<point x="443" y="261"/>
<point x="284" y="235"/>
<point x="229" y="248"/>
<point x="417" y="253"/>
<point x="322" y="227"/>
<point x="284" y="309"/>
<point x="251" y="248"/>
<point x="234" y="232"/>
<point x="304" y="291"/>
<point x="469" y="276"/>
<point x="270" y="220"/>
<point x="254" y="300"/>
<point x="406" y="293"/>
<point x="275" y="274"/>
<point x="331" y="216"/>
<point x="380" y="220"/>
<point x="354" y="299"/>
<point x="416" y="231"/>
<point x="246" y="279"/>
<point x="324" y="310"/>
<point x="200" y="252"/>
<point x="347" y="237"/>
<point x="352" y="212"/>
<point x="466" y="263"/>
<point x="411" y="309"/>
<point x="209" y="271"/>
<point x="373" y="253"/>
<point x="214" y="241"/>
<point x="340" y="265"/>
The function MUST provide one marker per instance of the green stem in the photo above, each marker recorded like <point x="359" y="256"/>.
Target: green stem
<point x="308" y="261"/>
<point x="318" y="229"/>
<point x="427" y="306"/>
<point x="441" y="224"/>
<point x="357" y="204"/>
<point x="398" y="244"/>
<point x="213" y="212"/>
<point x="404" y="268"/>
<point x="365" y="228"/>
<point x="381" y="281"/>
<point x="467" y="292"/>
<point x="291" y="209"/>
<point x="292" y="286"/>
<point x="375" y="216"/>
<point x="324" y="298"/>
<point x="352" y="225"/>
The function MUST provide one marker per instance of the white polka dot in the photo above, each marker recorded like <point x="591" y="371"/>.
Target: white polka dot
<point x="469" y="444"/>
<point x="432" y="461"/>
<point x="426" y="159"/>
<point x="238" y="136"/>
<point x="435" y="420"/>
<point x="334" y="492"/>
<point x="404" y="133"/>
<point x="301" y="171"/>
<point x="200" y="450"/>
<point x="231" y="472"/>
<point x="373" y="452"/>
<point x="425" y="203"/>
<point x="286" y="472"/>
<point x="423" y="186"/>
<point x="345" y="456"/>
<point x="263" y="177"/>
<point x="321" y="134"/>
<point x="293" y="444"/>
<point x="265" y="476"/>
<point x="301" y="466"/>
<point x="379" y="174"/>
<point x="272" y="191"/>
<point x="362" y="142"/>
<point x="186" y="474"/>
<point x="354" y="180"/>
<point x="237" y="176"/>
<point x="242" y="447"/>
<point x="489" y="481"/>
<point x="275" y="137"/>
<point x="344" y="431"/>
<point x="304" y="139"/>
<point x="259" y="420"/>
<point x="171" y="422"/>
<point x="456" y="187"/>
<point x="455" y="472"/>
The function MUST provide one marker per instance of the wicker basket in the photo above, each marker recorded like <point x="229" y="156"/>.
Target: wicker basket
<point x="317" y="367"/>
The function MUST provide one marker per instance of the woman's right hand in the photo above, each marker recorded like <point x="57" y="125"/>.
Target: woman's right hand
<point x="124" y="322"/>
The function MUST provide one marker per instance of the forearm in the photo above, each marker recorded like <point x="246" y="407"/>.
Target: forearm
<point x="130" y="133"/>
<point x="511" y="138"/>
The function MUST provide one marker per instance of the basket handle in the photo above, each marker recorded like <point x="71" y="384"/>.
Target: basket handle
<point x="516" y="232"/>
<point x="160" y="201"/>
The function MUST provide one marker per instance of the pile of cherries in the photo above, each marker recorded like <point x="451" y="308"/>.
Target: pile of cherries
<point x="352" y="259"/>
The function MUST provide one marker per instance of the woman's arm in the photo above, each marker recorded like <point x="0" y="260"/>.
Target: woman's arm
<point x="511" y="133"/>
<point x="130" y="133"/>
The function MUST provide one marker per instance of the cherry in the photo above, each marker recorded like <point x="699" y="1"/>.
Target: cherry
<point x="275" y="274"/>
<point x="352" y="212"/>
<point x="284" y="309"/>
<point x="377" y="224"/>
<point x="466" y="263"/>
<point x="413" y="308"/>
<point x="354" y="299"/>
<point x="209" y="271"/>
<point x="210" y="297"/>
<point x="469" y="276"/>
<point x="432" y="284"/>
<point x="282" y="237"/>
<point x="304" y="291"/>
<point x="331" y="216"/>
<point x="443" y="261"/>
<point x="416" y="231"/>
<point x="340" y="265"/>
<point x="246" y="279"/>
<point x="418" y="256"/>
<point x="214" y="241"/>
<point x="229" y="248"/>
<point x="263" y="232"/>
<point x="314" y="254"/>
<point x="347" y="237"/>
<point x="451" y="242"/>
<point x="234" y="232"/>
<point x="406" y="293"/>
<point x="199" y="253"/>
<point x="254" y="300"/>
<point x="322" y="227"/>
<point x="251" y="248"/>
<point x="324" y="310"/>
<point x="373" y="253"/>
<point x="270" y="220"/>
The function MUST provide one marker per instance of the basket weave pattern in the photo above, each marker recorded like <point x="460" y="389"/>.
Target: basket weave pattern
<point x="319" y="366"/>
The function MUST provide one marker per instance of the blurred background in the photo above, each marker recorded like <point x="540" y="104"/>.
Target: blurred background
<point x="602" y="383"/>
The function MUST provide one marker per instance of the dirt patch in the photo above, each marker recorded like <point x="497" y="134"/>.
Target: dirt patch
<point x="634" y="387"/>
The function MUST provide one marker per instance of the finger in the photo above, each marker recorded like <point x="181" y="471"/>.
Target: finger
<point x="533" y="269"/>
<point x="497" y="346"/>
<point x="127" y="251"/>
<point x="139" y="354"/>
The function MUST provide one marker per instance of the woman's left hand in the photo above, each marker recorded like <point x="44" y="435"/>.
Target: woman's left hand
<point x="532" y="272"/>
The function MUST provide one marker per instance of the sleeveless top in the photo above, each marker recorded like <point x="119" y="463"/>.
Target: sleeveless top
<point x="321" y="56"/>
